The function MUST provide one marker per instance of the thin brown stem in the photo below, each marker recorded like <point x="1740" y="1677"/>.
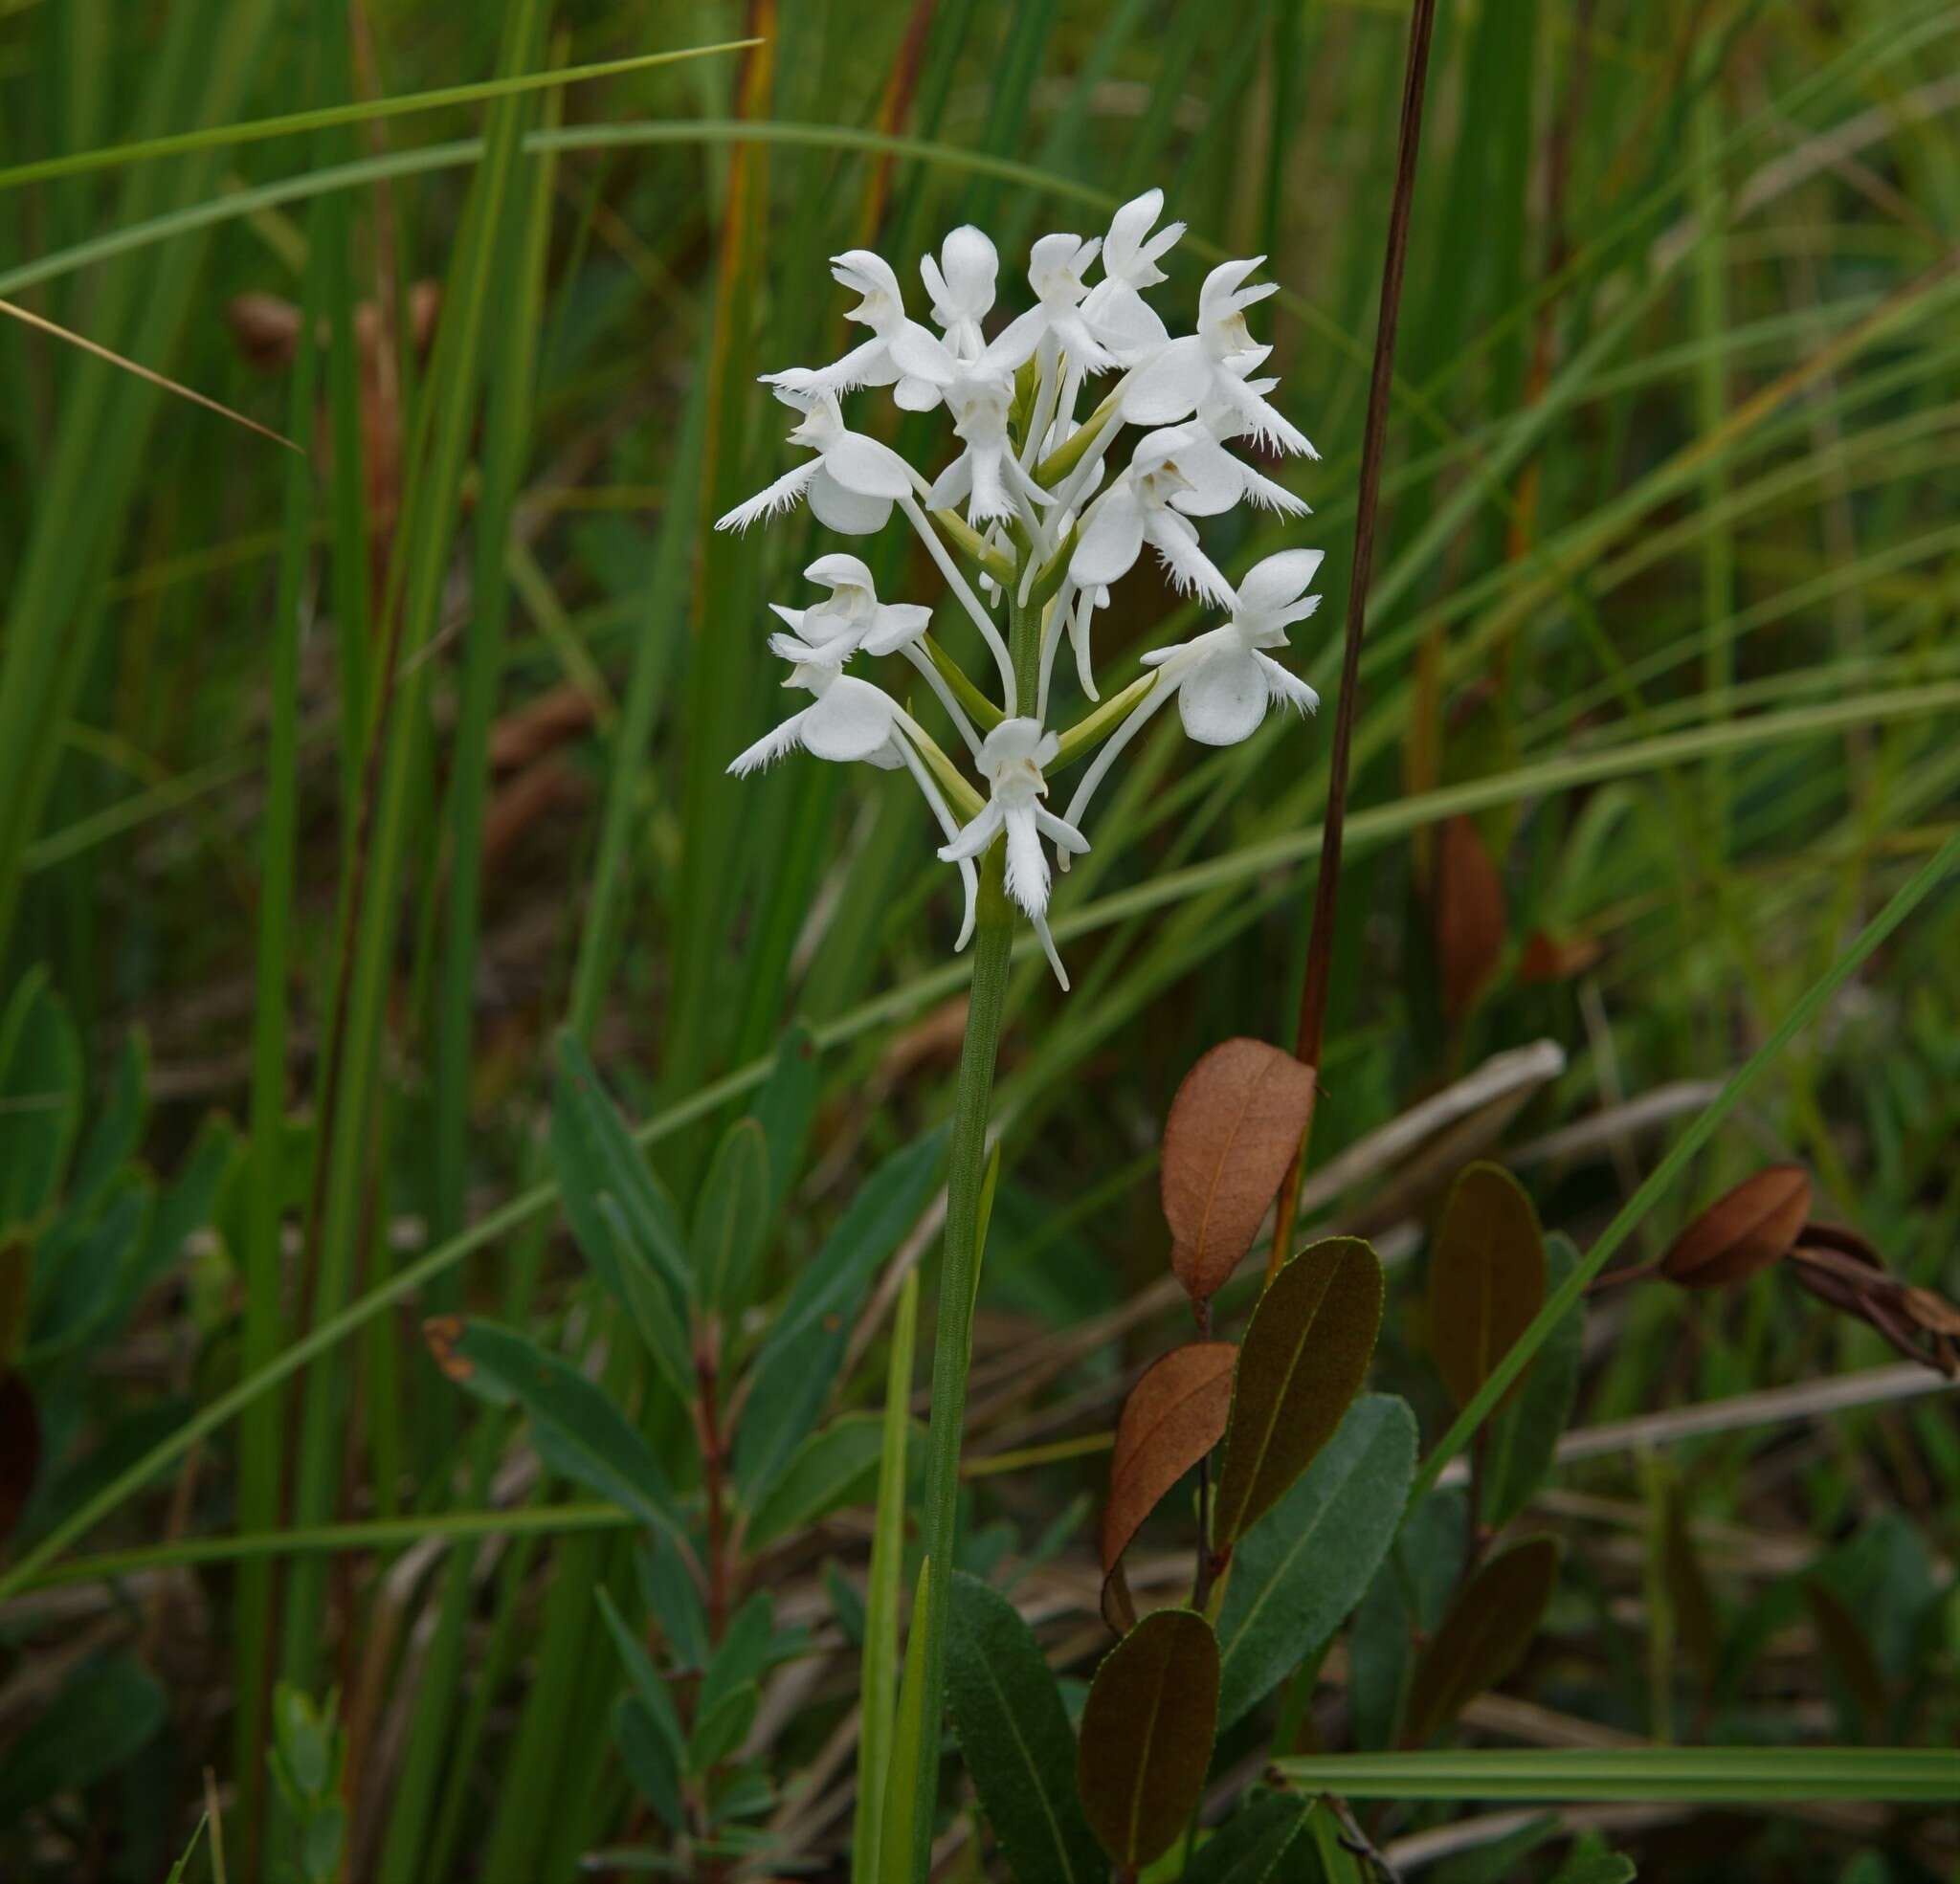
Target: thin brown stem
<point x="1320" y="944"/>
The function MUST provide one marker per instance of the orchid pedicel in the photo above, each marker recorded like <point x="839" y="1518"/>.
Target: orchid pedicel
<point x="1049" y="508"/>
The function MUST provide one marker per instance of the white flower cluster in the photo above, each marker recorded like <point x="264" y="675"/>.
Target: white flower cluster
<point x="1047" y="523"/>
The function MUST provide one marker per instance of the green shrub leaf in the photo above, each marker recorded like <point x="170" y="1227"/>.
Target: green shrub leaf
<point x="1300" y="1571"/>
<point x="1015" y="1733"/>
<point x="732" y="1218"/>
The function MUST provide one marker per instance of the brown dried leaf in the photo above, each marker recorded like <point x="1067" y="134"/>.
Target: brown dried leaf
<point x="442" y="1333"/>
<point x="1839" y="1266"/>
<point x="1484" y="1636"/>
<point x="550" y="785"/>
<point x="544" y="724"/>
<point x="1304" y="1357"/>
<point x="1486" y="1279"/>
<point x="1744" y="1230"/>
<point x="1469" y="915"/>
<point x="1174" y="1417"/>
<point x="20" y="1449"/>
<point x="1146" y="1734"/>
<point x="1547" y="958"/>
<point x="266" y="328"/>
<point x="1234" y="1127"/>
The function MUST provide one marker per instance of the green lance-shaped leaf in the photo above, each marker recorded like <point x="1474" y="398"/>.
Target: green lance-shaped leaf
<point x="742" y="1655"/>
<point x="1300" y="1571"/>
<point x="829" y="1470"/>
<point x="1525" y="1434"/>
<point x="910" y="1774"/>
<point x="785" y="1107"/>
<point x="1484" y="1637"/>
<point x="799" y="1357"/>
<point x="621" y="1217"/>
<point x="40" y="1099"/>
<point x="730" y="1219"/>
<point x="1302" y="1360"/>
<point x="722" y="1728"/>
<point x="1146" y="1734"/>
<point x="1015" y="1735"/>
<point x="1256" y="1845"/>
<point x="576" y="1429"/>
<point x="649" y="1758"/>
<point x="1486" y="1277"/>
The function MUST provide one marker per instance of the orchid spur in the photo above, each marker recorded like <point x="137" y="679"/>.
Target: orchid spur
<point x="1032" y="520"/>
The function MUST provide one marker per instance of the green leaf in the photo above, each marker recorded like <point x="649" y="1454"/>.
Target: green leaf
<point x="879" y="1664"/>
<point x="1147" y="1734"/>
<point x="1301" y="1571"/>
<point x="1486" y="1279"/>
<point x="1733" y="1775"/>
<point x="1484" y="1636"/>
<point x="104" y="1713"/>
<point x="799" y="1358"/>
<point x="649" y="1685"/>
<point x="40" y="1099"/>
<point x="785" y="1107"/>
<point x="117" y="1130"/>
<point x="1590" y="1862"/>
<point x="910" y="1774"/>
<point x="649" y="1758"/>
<point x="722" y="1728"/>
<point x="1252" y="1846"/>
<point x="731" y="1220"/>
<point x="1423" y="1562"/>
<point x="176" y="1872"/>
<point x="624" y="1223"/>
<point x="829" y="1470"/>
<point x="1524" y="1436"/>
<point x="742" y="1656"/>
<point x="1302" y="1360"/>
<point x="577" y="1431"/>
<point x="78" y="1272"/>
<point x="1015" y="1733"/>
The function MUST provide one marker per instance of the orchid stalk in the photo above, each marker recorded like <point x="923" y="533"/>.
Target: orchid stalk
<point x="1050" y="515"/>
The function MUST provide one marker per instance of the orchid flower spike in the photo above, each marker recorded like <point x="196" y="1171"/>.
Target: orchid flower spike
<point x="1042" y="550"/>
<point x="852" y="617"/>
<point x="1176" y="474"/>
<point x="851" y="484"/>
<point x="1213" y="364"/>
<point x="1011" y="757"/>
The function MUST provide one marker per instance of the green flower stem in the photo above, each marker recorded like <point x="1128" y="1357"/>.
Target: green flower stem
<point x="959" y="1267"/>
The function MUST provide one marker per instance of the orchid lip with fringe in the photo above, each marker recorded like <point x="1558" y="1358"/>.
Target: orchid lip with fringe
<point x="1061" y="545"/>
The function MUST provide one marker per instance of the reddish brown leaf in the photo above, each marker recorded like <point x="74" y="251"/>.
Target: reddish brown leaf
<point x="1232" y="1130"/>
<point x="442" y="1333"/>
<point x="1174" y="1417"/>
<point x="1303" y="1358"/>
<point x="20" y="1449"/>
<point x="1548" y="958"/>
<point x="1484" y="1636"/>
<point x="1840" y="1267"/>
<point x="555" y="717"/>
<point x="1146" y="1734"/>
<point x="1469" y="915"/>
<point x="1744" y="1230"/>
<point x="1486" y="1279"/>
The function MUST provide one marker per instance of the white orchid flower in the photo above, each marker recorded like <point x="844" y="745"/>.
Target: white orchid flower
<point x="986" y="474"/>
<point x="1213" y="367"/>
<point x="1012" y="758"/>
<point x="1116" y="310"/>
<point x="1226" y="423"/>
<point x="1174" y="474"/>
<point x="852" y="719"/>
<point x="851" y="618"/>
<point x="1224" y="680"/>
<point x="961" y="285"/>
<point x="851" y="484"/>
<point x="881" y="307"/>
